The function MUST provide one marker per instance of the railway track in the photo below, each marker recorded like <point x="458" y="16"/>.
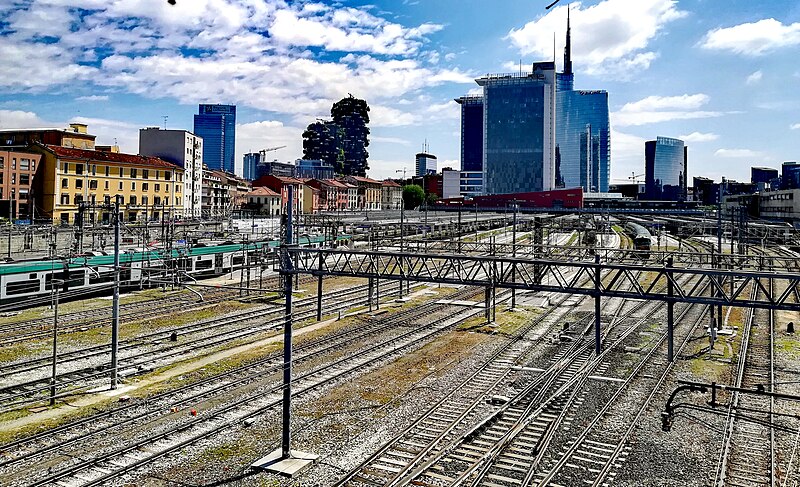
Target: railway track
<point x="53" y="440"/>
<point x="110" y="463"/>
<point x="747" y="456"/>
<point x="89" y="319"/>
<point x="139" y="362"/>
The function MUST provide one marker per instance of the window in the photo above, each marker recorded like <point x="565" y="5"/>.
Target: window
<point x="13" y="179"/>
<point x="33" y="164"/>
<point x="145" y="173"/>
<point x="167" y="175"/>
<point x="78" y="184"/>
<point x="145" y="187"/>
<point x="133" y="199"/>
<point x="22" y="287"/>
<point x="121" y="172"/>
<point x="106" y="185"/>
<point x="79" y="168"/>
<point x="24" y="164"/>
<point x="65" y="218"/>
<point x="94" y="169"/>
<point x="177" y="188"/>
<point x="158" y="187"/>
<point x="64" y="199"/>
<point x="120" y="184"/>
<point x="107" y="199"/>
<point x="78" y="199"/>
<point x="25" y="179"/>
<point x="108" y="170"/>
<point x="93" y="184"/>
<point x="157" y="201"/>
<point x="13" y="163"/>
<point x="65" y="168"/>
<point x="144" y="200"/>
<point x="177" y="201"/>
<point x="65" y="183"/>
<point x="133" y="172"/>
<point x="133" y="185"/>
<point x="2" y="162"/>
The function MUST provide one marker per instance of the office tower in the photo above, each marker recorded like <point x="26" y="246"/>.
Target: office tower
<point x="249" y="165"/>
<point x="583" y="133"/>
<point x="519" y="130"/>
<point x="425" y="163"/>
<point x="352" y="116"/>
<point x="216" y="124"/>
<point x="665" y="169"/>
<point x="185" y="150"/>
<point x="471" y="177"/>
<point x="790" y="175"/>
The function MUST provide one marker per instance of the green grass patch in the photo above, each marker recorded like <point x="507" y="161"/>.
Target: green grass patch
<point x="788" y="345"/>
<point x="18" y="351"/>
<point x="506" y="323"/>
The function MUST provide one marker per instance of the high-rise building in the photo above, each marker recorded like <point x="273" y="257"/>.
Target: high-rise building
<point x="216" y="124"/>
<point x="764" y="178"/>
<point x="519" y="130"/>
<point x="249" y="164"/>
<point x="583" y="133"/>
<point x="185" y="150"/>
<point x="471" y="183"/>
<point x="351" y="115"/>
<point x="425" y="164"/>
<point x="790" y="175"/>
<point x="665" y="169"/>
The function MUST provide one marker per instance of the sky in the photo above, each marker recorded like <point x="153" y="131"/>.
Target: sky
<point x="722" y="76"/>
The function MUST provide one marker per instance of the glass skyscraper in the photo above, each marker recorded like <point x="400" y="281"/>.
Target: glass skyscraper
<point x="471" y="132"/>
<point x="583" y="133"/>
<point x="249" y="165"/>
<point x="665" y="169"/>
<point x="519" y="130"/>
<point x="216" y="124"/>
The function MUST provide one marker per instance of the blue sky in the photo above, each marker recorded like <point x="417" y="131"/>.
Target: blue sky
<point x="721" y="75"/>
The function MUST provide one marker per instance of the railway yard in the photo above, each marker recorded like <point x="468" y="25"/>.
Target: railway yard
<point x="489" y="349"/>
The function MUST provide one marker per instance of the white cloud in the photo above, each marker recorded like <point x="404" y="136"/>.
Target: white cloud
<point x="611" y="37"/>
<point x="384" y="169"/>
<point x="753" y="38"/>
<point x="451" y="163"/>
<point x="254" y="136"/>
<point x="92" y="98"/>
<point x="696" y="137"/>
<point x="738" y="153"/>
<point x="656" y="109"/>
<point x="754" y="78"/>
<point x="383" y="116"/>
<point x="627" y="154"/>
<point x="388" y="140"/>
<point x="20" y="119"/>
<point x="794" y="126"/>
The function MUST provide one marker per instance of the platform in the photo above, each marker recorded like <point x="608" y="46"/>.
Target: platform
<point x="288" y="467"/>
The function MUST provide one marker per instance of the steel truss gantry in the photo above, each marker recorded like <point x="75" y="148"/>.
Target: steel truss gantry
<point x="610" y="255"/>
<point x="608" y="280"/>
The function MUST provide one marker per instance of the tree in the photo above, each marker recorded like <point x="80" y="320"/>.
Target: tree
<point x="413" y="196"/>
<point x="352" y="116"/>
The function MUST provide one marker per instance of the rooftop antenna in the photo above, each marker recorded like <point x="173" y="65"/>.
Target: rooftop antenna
<point x="165" y="117"/>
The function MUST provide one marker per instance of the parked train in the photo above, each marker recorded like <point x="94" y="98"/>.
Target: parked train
<point x="94" y="271"/>
<point x="640" y="236"/>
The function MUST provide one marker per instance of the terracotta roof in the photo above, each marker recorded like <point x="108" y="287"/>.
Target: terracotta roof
<point x="389" y="182"/>
<point x="365" y="180"/>
<point x="70" y="153"/>
<point x="262" y="191"/>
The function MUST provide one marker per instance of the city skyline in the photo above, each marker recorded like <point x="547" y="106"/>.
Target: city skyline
<point x="714" y="76"/>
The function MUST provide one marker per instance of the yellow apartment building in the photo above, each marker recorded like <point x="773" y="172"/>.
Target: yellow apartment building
<point x="149" y="188"/>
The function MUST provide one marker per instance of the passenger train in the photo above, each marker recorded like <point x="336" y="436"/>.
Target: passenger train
<point x="640" y="236"/>
<point x="94" y="271"/>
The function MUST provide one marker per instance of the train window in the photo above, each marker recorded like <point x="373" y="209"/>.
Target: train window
<point x="32" y="276"/>
<point x="22" y="287"/>
<point x="237" y="260"/>
<point x="101" y="277"/>
<point x="203" y="264"/>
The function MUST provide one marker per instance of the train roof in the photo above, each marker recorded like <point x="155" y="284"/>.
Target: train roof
<point x="136" y="256"/>
<point x="638" y="230"/>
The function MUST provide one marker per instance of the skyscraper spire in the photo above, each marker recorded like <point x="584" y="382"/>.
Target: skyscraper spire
<point x="568" y="48"/>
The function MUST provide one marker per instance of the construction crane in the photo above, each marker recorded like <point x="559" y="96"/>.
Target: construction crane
<point x="635" y="177"/>
<point x="263" y="152"/>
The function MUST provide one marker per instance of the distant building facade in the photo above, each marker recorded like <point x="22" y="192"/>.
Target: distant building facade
<point x="184" y="149"/>
<point x="519" y="130"/>
<point x="216" y="125"/>
<point x="17" y="170"/>
<point x="391" y="195"/>
<point x="665" y="169"/>
<point x="425" y="164"/>
<point x="314" y="168"/>
<point x="790" y="175"/>
<point x="250" y="163"/>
